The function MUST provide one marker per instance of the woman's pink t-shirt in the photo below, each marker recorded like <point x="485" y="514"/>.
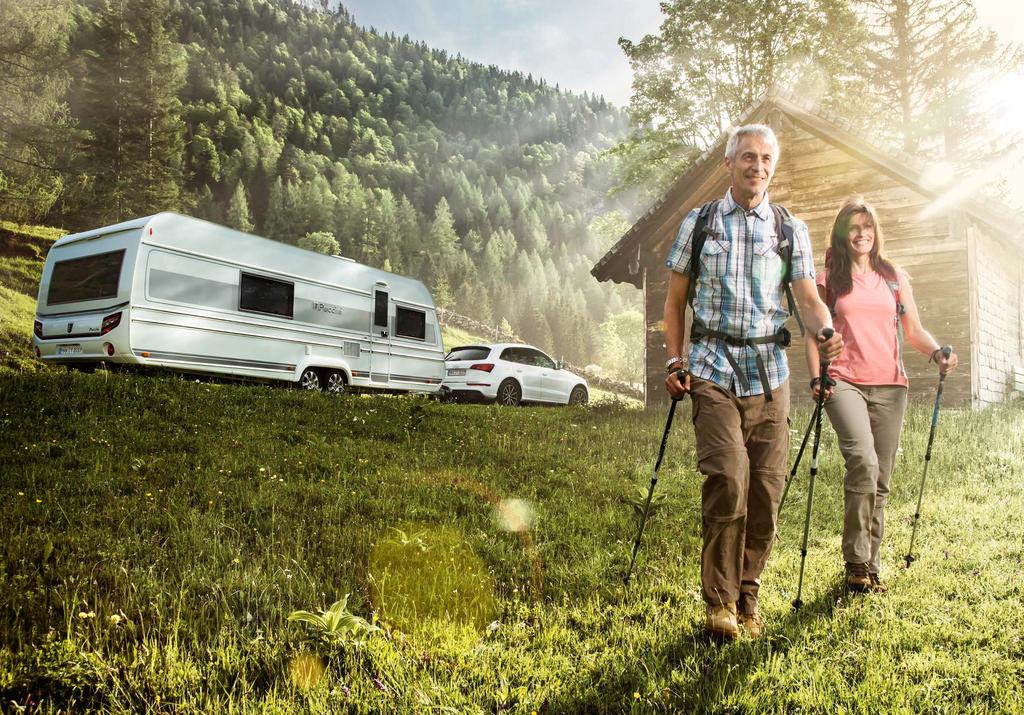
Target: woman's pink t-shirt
<point x="866" y="318"/>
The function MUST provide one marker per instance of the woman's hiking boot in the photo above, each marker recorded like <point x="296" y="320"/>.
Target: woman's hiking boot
<point x="751" y="623"/>
<point x="858" y="578"/>
<point x="876" y="584"/>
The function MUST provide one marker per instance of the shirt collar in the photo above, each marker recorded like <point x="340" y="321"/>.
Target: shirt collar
<point x="761" y="210"/>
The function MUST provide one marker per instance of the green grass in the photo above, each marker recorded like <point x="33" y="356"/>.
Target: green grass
<point x="158" y="532"/>
<point x="22" y="252"/>
<point x="453" y="337"/>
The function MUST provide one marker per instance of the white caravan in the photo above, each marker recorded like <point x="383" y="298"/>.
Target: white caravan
<point x="175" y="292"/>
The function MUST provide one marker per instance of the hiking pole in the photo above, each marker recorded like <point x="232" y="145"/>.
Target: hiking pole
<point x="654" y="480"/>
<point x="827" y="332"/>
<point x="909" y="558"/>
<point x="792" y="472"/>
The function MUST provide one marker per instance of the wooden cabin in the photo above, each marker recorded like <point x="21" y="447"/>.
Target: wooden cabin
<point x="965" y="259"/>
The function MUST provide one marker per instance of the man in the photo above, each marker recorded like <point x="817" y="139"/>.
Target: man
<point x="737" y="374"/>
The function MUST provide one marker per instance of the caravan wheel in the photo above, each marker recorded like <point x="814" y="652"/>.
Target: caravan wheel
<point x="310" y="380"/>
<point x="336" y="382"/>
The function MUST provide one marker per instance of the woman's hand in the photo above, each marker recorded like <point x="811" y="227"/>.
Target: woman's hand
<point x="946" y="364"/>
<point x="816" y="388"/>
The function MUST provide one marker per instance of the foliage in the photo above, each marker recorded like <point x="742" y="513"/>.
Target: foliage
<point x="621" y="354"/>
<point x="321" y="242"/>
<point x="283" y="119"/>
<point x="189" y="519"/>
<point x="931" y="65"/>
<point x="35" y="136"/>
<point x="335" y="624"/>
<point x="711" y="60"/>
<point x="127" y="103"/>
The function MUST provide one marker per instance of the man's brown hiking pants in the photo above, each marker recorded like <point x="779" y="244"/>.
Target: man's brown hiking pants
<point x="742" y="446"/>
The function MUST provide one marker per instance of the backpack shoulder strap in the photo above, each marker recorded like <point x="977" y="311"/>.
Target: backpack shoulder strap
<point x="785" y="234"/>
<point x="705" y="219"/>
<point x="894" y="286"/>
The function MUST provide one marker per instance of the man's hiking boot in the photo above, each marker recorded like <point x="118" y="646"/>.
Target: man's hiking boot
<point x="857" y="577"/>
<point x="721" y="621"/>
<point x="751" y="623"/>
<point x="876" y="584"/>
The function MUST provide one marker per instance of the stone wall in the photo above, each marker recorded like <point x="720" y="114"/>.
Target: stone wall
<point x="998" y="311"/>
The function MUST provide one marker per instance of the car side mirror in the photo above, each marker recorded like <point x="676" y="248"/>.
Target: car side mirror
<point x="558" y="365"/>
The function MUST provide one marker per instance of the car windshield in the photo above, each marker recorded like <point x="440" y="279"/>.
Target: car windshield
<point x="473" y="352"/>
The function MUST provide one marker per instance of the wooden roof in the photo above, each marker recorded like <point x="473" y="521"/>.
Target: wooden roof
<point x="616" y="264"/>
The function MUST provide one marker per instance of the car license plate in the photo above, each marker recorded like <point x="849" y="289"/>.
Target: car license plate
<point x="457" y="371"/>
<point x="74" y="349"/>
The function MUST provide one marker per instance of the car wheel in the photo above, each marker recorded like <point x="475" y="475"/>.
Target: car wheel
<point x="310" y="380"/>
<point x="336" y="382"/>
<point x="509" y="393"/>
<point x="579" y="396"/>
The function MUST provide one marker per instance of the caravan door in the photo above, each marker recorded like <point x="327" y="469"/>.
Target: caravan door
<point x="380" y="336"/>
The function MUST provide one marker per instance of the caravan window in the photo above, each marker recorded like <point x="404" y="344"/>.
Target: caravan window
<point x="266" y="295"/>
<point x="380" y="308"/>
<point x="410" y="323"/>
<point x="87" y="278"/>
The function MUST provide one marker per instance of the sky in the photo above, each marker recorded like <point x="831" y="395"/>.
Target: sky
<point x="572" y="43"/>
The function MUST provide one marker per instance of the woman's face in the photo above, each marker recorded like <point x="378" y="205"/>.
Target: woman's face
<point x="861" y="236"/>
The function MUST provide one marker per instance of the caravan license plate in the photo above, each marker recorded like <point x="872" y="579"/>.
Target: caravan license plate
<point x="75" y="349"/>
<point x="457" y="371"/>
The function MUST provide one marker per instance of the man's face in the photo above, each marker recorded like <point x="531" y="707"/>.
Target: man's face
<point x="752" y="169"/>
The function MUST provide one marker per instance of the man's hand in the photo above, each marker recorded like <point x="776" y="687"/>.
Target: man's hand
<point x="829" y="349"/>
<point x="678" y="384"/>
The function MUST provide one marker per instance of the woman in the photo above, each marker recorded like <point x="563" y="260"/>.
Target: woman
<point x="870" y="299"/>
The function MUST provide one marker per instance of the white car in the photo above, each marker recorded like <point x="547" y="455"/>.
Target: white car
<point x="509" y="374"/>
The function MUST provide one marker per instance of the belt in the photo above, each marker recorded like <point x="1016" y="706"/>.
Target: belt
<point x="783" y="338"/>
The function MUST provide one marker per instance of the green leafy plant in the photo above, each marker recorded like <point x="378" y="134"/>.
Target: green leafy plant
<point x="639" y="498"/>
<point x="336" y="624"/>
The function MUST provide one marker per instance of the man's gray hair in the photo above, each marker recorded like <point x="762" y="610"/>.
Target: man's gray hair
<point x="761" y="130"/>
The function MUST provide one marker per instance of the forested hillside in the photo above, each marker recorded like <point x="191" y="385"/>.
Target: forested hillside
<point x="298" y="124"/>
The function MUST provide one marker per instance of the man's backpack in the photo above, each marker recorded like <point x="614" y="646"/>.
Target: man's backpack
<point x="784" y="233"/>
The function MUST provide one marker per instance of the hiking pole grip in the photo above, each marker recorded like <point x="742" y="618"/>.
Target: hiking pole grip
<point x="654" y="481"/>
<point x="946" y="352"/>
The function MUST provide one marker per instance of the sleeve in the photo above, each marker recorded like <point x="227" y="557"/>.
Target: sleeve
<point x="679" y="255"/>
<point x="822" y="278"/>
<point x="803" y="257"/>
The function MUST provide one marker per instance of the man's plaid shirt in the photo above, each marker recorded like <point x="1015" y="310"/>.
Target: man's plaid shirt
<point x="739" y="290"/>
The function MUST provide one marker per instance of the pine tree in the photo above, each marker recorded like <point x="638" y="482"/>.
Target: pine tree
<point x="237" y="215"/>
<point x="930" y="62"/>
<point x="130" y="107"/>
<point x="442" y="239"/>
<point x="35" y="138"/>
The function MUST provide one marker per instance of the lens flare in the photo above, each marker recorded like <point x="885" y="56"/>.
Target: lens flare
<point x="305" y="670"/>
<point x="514" y="515"/>
<point x="422" y="576"/>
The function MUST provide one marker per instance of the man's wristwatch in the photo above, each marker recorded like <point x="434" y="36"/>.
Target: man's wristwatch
<point x="672" y="361"/>
<point x="815" y="381"/>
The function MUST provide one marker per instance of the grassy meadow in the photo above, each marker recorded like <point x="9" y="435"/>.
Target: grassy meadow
<point x="157" y="533"/>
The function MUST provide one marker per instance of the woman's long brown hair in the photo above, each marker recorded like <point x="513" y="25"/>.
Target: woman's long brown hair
<point x="837" y="257"/>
